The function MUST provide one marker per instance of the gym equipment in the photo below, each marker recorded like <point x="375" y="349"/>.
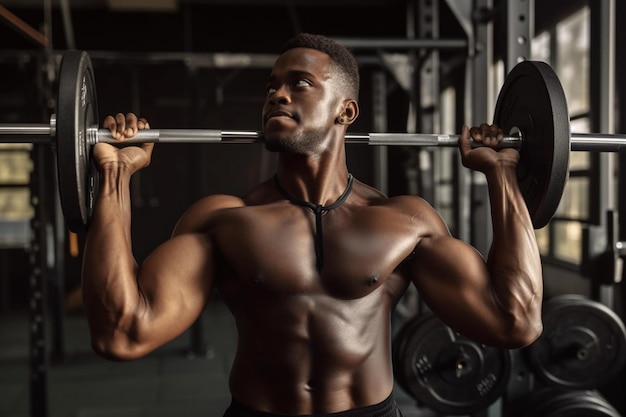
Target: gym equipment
<point x="583" y="345"/>
<point x="531" y="108"/>
<point x="445" y="371"/>
<point x="557" y="403"/>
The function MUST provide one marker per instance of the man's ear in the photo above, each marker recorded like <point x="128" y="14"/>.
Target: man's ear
<point x="349" y="112"/>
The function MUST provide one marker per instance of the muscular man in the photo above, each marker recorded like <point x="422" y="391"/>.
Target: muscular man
<point x="310" y="262"/>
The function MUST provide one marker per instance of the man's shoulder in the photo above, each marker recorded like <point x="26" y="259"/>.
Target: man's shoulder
<point x="209" y="209"/>
<point x="373" y="197"/>
<point x="415" y="209"/>
<point x="197" y="218"/>
<point x="215" y="202"/>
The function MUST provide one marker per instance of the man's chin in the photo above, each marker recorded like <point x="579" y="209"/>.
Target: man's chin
<point x="276" y="144"/>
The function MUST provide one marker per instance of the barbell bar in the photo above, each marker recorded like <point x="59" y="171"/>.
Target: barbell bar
<point x="531" y="108"/>
<point x="44" y="133"/>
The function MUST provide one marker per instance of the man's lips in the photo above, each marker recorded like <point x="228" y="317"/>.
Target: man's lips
<point x="278" y="113"/>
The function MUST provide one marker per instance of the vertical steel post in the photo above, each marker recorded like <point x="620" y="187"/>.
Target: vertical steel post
<point x="603" y="120"/>
<point x="379" y="124"/>
<point x="520" y="28"/>
<point x="479" y="99"/>
<point x="428" y="92"/>
<point x="38" y="380"/>
<point x="620" y="68"/>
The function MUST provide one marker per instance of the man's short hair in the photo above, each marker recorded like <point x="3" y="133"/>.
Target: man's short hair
<point x="341" y="57"/>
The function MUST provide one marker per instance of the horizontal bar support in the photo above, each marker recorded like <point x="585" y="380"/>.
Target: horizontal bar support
<point x="402" y="43"/>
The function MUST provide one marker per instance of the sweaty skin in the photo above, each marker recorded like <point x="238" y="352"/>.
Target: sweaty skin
<point x="309" y="341"/>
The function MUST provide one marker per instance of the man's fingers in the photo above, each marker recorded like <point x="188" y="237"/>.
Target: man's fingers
<point x="120" y="126"/>
<point x="109" y="123"/>
<point x="124" y="126"/>
<point x="464" y="140"/>
<point x="142" y="124"/>
<point x="476" y="134"/>
<point x="131" y="125"/>
<point x="489" y="135"/>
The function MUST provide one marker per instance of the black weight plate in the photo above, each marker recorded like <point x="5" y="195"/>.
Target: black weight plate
<point x="449" y="373"/>
<point x="550" y="402"/>
<point x="583" y="345"/>
<point x="398" y="349"/>
<point x="77" y="111"/>
<point x="532" y="100"/>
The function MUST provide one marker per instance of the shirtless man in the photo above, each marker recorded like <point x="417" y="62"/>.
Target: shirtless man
<point x="311" y="262"/>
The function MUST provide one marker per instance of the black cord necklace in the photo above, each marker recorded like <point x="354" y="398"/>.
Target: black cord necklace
<point x="318" y="210"/>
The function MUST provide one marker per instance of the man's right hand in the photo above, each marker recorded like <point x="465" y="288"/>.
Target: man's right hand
<point x="123" y="127"/>
<point x="484" y="158"/>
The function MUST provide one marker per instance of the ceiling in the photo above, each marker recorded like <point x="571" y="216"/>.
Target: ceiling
<point x="202" y="25"/>
<point x="170" y="5"/>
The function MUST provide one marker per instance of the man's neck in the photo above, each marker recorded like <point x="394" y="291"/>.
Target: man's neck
<point x="318" y="180"/>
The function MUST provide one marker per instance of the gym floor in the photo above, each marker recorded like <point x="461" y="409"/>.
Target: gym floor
<point x="168" y="382"/>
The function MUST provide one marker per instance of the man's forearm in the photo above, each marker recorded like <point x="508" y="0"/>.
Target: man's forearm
<point x="110" y="291"/>
<point x="514" y="260"/>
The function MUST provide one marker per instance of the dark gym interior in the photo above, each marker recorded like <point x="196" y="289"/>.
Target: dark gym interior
<point x="426" y="66"/>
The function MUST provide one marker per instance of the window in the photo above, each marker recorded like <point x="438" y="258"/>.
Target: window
<point x="15" y="206"/>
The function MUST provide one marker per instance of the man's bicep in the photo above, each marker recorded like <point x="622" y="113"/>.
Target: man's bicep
<point x="451" y="276"/>
<point x="176" y="281"/>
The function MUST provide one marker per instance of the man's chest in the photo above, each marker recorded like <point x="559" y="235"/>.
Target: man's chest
<point x="348" y="252"/>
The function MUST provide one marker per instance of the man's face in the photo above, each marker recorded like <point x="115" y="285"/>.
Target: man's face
<point x="302" y="103"/>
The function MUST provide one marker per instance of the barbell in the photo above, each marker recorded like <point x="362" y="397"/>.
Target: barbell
<point x="531" y="107"/>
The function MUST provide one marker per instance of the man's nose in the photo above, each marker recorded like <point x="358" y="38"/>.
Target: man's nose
<point x="281" y="96"/>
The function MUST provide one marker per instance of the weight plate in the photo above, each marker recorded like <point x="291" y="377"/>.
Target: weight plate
<point x="583" y="344"/>
<point x="398" y="349"/>
<point x="77" y="110"/>
<point x="532" y="100"/>
<point x="447" y="372"/>
<point x="557" y="403"/>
